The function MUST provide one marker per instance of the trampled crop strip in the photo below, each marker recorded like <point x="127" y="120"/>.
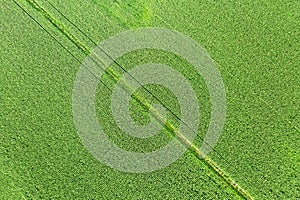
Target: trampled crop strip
<point x="196" y="150"/>
<point x="182" y="139"/>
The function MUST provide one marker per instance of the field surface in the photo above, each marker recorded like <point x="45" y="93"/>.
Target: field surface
<point x="255" y="45"/>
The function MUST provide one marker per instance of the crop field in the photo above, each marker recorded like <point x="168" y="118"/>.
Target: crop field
<point x="45" y="45"/>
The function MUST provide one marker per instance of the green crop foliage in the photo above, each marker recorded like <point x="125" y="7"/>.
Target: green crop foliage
<point x="256" y="46"/>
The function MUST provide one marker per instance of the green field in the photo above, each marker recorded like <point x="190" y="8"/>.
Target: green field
<point x="255" y="45"/>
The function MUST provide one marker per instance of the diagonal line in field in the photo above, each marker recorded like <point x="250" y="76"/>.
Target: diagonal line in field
<point x="197" y="151"/>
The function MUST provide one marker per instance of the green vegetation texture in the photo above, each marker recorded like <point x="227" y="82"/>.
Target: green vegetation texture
<point x="256" y="47"/>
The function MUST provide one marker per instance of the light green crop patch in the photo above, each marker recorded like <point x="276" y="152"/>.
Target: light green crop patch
<point x="129" y="14"/>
